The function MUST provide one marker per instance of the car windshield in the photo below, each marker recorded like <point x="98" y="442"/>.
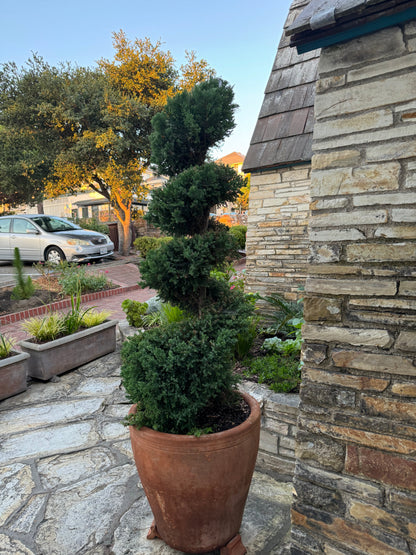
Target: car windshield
<point x="47" y="223"/>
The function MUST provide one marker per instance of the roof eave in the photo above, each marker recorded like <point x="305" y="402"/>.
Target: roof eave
<point x="342" y="31"/>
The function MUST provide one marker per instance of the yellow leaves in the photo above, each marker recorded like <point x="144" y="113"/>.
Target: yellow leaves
<point x="141" y="69"/>
<point x="194" y="71"/>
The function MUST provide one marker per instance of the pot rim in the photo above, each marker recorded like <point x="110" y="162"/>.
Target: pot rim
<point x="208" y="442"/>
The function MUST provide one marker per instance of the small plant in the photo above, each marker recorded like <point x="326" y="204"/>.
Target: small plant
<point x="46" y="328"/>
<point x="73" y="319"/>
<point x="285" y="312"/>
<point x="92" y="318"/>
<point x="6" y="346"/>
<point x="246" y="339"/>
<point x="73" y="278"/>
<point x="135" y="312"/>
<point x="282" y="374"/>
<point x="56" y="324"/>
<point x="25" y="287"/>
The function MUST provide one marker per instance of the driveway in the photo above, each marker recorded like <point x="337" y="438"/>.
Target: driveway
<point x="7" y="272"/>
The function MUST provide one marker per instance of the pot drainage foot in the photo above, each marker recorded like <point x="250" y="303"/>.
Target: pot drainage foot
<point x="234" y="547"/>
<point x="153" y="533"/>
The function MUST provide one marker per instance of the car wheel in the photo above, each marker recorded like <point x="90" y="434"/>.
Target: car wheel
<point x="54" y="255"/>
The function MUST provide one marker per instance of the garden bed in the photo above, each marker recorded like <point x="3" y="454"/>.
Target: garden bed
<point x="47" y="291"/>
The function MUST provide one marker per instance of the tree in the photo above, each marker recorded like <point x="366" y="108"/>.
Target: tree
<point x="68" y="127"/>
<point x="28" y="141"/>
<point x="190" y="126"/>
<point x="175" y="371"/>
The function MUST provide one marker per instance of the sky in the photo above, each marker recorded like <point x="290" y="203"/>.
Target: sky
<point x="238" y="38"/>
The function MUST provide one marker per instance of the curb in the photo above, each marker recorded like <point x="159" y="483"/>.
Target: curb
<point x="65" y="303"/>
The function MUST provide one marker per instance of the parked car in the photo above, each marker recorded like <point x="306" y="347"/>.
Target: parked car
<point x="48" y="238"/>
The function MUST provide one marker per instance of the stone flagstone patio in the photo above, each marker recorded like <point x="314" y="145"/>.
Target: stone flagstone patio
<point x="68" y="483"/>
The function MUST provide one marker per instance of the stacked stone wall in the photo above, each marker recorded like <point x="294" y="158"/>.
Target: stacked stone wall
<point x="278" y="429"/>
<point x="277" y="242"/>
<point x="355" y="477"/>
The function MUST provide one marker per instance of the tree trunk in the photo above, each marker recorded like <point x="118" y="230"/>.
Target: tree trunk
<point x="123" y="213"/>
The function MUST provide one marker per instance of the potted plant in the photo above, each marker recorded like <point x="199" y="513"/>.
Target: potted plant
<point x="64" y="341"/>
<point x="13" y="369"/>
<point x="179" y="375"/>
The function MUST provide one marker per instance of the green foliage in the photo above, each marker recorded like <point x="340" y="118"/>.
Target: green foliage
<point x="56" y="324"/>
<point x="182" y="206"/>
<point x="171" y="314"/>
<point x="180" y="270"/>
<point x="6" y="346"/>
<point x="74" y="278"/>
<point x="135" y="311"/>
<point x="281" y="373"/>
<point x="73" y="319"/>
<point x="167" y="314"/>
<point x="191" y="123"/>
<point x="284" y="313"/>
<point x="46" y="328"/>
<point x="25" y="287"/>
<point x="173" y="371"/>
<point x="246" y="338"/>
<point x="93" y="224"/>
<point x="28" y="141"/>
<point x="92" y="318"/>
<point x="239" y="232"/>
<point x="153" y="319"/>
<point x="144" y="244"/>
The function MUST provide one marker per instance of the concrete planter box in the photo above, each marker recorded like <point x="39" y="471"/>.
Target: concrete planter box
<point x="13" y="374"/>
<point x="58" y="356"/>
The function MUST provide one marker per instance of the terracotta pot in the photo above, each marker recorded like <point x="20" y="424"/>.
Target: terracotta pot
<point x="197" y="487"/>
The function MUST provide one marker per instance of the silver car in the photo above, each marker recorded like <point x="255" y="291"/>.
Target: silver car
<point x="48" y="238"/>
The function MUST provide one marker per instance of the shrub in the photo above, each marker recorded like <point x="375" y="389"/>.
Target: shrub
<point x="145" y="244"/>
<point x="135" y="311"/>
<point x="93" y="224"/>
<point x="176" y="370"/>
<point x="74" y="278"/>
<point x="239" y="232"/>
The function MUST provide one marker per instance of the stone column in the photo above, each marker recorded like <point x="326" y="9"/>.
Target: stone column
<point x="355" y="476"/>
<point x="277" y="242"/>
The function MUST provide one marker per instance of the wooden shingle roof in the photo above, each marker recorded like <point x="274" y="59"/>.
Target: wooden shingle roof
<point x="324" y="18"/>
<point x="283" y="133"/>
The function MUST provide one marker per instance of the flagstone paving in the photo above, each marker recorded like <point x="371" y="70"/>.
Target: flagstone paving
<point x="68" y="483"/>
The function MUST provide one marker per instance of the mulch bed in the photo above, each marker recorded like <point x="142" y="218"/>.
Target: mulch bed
<point x="47" y="291"/>
<point x="41" y="297"/>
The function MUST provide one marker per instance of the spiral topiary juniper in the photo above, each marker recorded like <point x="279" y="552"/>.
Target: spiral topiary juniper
<point x="176" y="370"/>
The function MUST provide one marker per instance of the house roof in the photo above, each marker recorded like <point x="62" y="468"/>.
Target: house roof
<point x="283" y="133"/>
<point x="325" y="22"/>
<point x="232" y="158"/>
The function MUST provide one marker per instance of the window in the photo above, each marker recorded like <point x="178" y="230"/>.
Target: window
<point x="5" y="225"/>
<point x="23" y="226"/>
